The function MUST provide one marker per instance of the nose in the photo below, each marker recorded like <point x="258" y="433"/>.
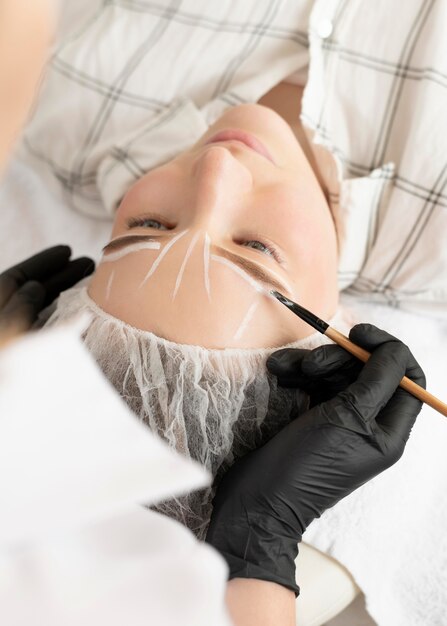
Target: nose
<point x="219" y="181"/>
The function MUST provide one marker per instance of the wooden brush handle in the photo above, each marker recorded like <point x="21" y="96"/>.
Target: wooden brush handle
<point x="406" y="383"/>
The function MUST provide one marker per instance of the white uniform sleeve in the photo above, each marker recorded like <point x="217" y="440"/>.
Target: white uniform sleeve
<point x="75" y="547"/>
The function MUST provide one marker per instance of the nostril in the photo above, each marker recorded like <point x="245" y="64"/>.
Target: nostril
<point x="222" y="164"/>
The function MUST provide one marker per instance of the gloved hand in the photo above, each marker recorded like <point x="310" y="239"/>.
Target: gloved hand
<point x="33" y="284"/>
<point x="268" y="498"/>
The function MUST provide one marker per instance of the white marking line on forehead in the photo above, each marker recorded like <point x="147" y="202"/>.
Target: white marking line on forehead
<point x="239" y="271"/>
<point x="109" y="284"/>
<point x="161" y="255"/>
<point x="206" y="264"/>
<point x="130" y="249"/>
<point x="185" y="260"/>
<point x="246" y="319"/>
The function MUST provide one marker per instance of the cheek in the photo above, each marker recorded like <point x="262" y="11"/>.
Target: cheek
<point x="314" y="263"/>
<point x="129" y="206"/>
<point x="153" y="190"/>
<point x="315" y="242"/>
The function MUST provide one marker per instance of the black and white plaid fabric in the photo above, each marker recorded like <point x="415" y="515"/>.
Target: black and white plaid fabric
<point x="142" y="80"/>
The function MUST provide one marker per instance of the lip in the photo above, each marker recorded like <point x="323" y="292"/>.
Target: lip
<point x="239" y="135"/>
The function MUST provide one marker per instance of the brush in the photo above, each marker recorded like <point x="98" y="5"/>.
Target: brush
<point x="323" y="327"/>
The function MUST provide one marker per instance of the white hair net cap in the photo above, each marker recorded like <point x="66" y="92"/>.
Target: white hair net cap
<point x="211" y="405"/>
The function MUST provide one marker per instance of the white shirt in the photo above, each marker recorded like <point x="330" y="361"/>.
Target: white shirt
<point x="140" y="82"/>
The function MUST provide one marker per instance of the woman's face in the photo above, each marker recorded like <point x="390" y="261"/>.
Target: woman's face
<point x="205" y="228"/>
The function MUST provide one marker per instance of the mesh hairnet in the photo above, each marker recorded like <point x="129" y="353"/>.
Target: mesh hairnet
<point x="210" y="405"/>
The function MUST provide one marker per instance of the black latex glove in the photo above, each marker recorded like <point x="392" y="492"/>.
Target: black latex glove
<point x="268" y="498"/>
<point x="33" y="284"/>
<point x="322" y="372"/>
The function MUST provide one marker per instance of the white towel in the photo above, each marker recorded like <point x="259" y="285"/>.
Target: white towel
<point x="391" y="533"/>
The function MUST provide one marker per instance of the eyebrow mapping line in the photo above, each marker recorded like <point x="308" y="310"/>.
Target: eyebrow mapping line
<point x="206" y="264"/>
<point x="185" y="260"/>
<point x="246" y="319"/>
<point x="161" y="255"/>
<point x="239" y="271"/>
<point x="135" y="247"/>
<point x="109" y="284"/>
<point x="257" y="273"/>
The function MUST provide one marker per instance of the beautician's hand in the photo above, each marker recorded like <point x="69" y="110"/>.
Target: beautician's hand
<point x="268" y="498"/>
<point x="33" y="284"/>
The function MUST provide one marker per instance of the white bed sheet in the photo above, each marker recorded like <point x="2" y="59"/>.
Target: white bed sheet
<point x="33" y="218"/>
<point x="390" y="533"/>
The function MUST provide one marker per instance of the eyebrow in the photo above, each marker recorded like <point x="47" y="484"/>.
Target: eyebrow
<point x="253" y="269"/>
<point x="122" y="242"/>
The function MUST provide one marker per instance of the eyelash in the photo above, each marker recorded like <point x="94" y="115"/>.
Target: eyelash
<point x="135" y="222"/>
